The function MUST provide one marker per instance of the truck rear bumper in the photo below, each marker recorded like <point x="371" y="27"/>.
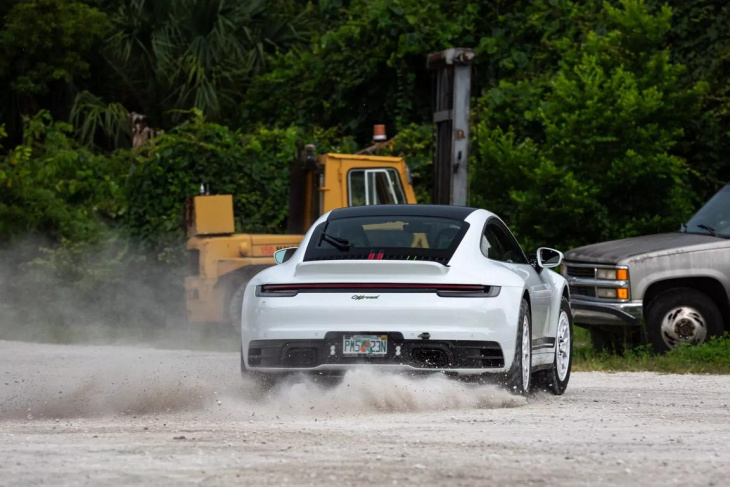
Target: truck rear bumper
<point x="591" y="313"/>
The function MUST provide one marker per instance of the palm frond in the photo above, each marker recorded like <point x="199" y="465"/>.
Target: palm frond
<point x="91" y="117"/>
<point x="181" y="54"/>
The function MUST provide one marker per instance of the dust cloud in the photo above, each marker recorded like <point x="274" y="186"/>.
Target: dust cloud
<point x="127" y="350"/>
<point x="367" y="390"/>
<point x="113" y="294"/>
<point x="72" y="381"/>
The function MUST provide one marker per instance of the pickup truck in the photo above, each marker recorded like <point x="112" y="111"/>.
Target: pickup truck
<point x="672" y="286"/>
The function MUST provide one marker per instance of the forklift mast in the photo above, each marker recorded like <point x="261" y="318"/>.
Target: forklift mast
<point x="451" y="116"/>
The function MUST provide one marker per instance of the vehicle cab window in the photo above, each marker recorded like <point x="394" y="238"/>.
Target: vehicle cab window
<point x="380" y="186"/>
<point x="498" y="244"/>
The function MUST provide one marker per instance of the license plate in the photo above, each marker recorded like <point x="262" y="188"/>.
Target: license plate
<point x="365" y="345"/>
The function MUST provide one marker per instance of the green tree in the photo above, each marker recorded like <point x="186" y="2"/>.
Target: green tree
<point x="700" y="39"/>
<point x="45" y="45"/>
<point x="57" y="190"/>
<point x="368" y="67"/>
<point x="598" y="161"/>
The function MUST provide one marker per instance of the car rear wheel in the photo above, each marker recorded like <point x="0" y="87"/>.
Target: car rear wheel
<point x="555" y="379"/>
<point x="682" y="316"/>
<point x="517" y="379"/>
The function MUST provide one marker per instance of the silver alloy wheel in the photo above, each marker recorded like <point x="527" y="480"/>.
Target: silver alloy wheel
<point x="526" y="351"/>
<point x="683" y="324"/>
<point x="562" y="350"/>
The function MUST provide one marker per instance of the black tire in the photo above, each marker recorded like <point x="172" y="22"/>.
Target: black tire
<point x="549" y="380"/>
<point x="700" y="314"/>
<point x="515" y="379"/>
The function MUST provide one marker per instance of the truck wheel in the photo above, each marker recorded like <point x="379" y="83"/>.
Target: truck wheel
<point x="681" y="315"/>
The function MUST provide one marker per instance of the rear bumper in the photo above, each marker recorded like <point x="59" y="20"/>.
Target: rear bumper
<point x="591" y="313"/>
<point x="461" y="356"/>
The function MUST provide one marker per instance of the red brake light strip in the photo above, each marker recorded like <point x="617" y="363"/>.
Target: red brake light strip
<point x="437" y="287"/>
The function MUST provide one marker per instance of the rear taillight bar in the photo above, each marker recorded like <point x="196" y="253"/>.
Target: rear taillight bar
<point x="443" y="290"/>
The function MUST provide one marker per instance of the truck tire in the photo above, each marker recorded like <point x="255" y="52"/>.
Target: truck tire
<point x="681" y="315"/>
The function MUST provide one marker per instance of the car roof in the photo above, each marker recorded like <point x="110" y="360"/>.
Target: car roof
<point x="438" y="211"/>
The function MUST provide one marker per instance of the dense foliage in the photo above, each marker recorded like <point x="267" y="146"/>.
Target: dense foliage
<point x="591" y="119"/>
<point x="600" y="138"/>
<point x="180" y="54"/>
<point x="56" y="189"/>
<point x="45" y="46"/>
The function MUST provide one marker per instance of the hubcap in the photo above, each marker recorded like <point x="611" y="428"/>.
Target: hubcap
<point x="526" y="351"/>
<point x="683" y="324"/>
<point x="562" y="351"/>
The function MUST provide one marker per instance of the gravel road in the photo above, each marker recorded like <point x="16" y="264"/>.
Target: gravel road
<point x="91" y="415"/>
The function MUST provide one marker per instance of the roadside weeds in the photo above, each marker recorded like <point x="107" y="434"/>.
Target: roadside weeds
<point x="712" y="357"/>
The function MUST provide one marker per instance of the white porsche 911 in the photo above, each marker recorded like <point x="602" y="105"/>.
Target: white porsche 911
<point x="410" y="288"/>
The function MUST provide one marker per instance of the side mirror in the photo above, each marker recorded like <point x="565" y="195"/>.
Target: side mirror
<point x="282" y="255"/>
<point x="547" y="257"/>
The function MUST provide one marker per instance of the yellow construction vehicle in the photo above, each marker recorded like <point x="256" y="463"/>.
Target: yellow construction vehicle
<point x="222" y="262"/>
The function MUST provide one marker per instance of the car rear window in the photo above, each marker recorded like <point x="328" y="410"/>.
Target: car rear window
<point x="386" y="238"/>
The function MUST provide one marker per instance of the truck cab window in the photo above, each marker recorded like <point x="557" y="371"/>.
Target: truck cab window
<point x="375" y="187"/>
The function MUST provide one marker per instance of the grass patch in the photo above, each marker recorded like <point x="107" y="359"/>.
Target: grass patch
<point x="712" y="357"/>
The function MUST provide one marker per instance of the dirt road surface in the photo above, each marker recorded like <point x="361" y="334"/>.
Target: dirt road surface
<point x="104" y="415"/>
